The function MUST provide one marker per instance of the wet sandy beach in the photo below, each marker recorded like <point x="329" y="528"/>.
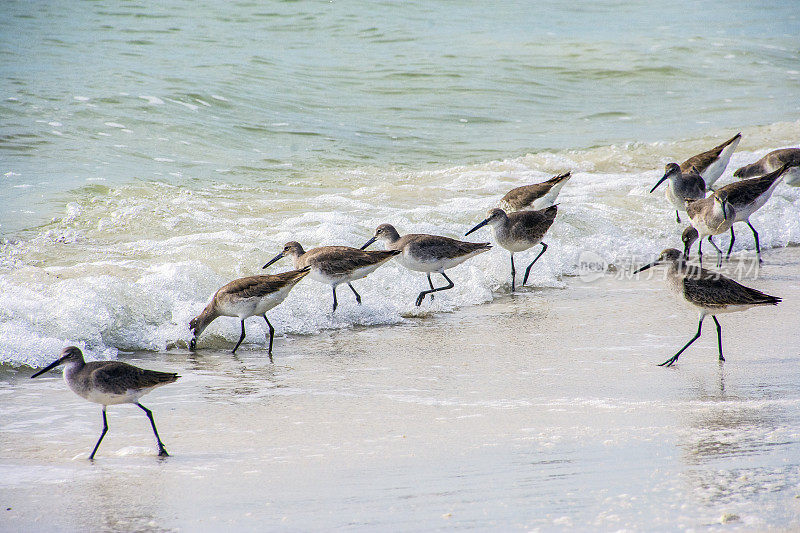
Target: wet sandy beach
<point x="541" y="411"/>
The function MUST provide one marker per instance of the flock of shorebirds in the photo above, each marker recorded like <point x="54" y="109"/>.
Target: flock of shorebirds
<point x="519" y="223"/>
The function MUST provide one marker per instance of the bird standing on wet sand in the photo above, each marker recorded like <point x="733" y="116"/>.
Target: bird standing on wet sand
<point x="709" y="292"/>
<point x="110" y="383"/>
<point x="711" y="164"/>
<point x="534" y="197"/>
<point x="334" y="265"/>
<point x="772" y="162"/>
<point x="682" y="187"/>
<point x="427" y="253"/>
<point x="246" y="297"/>
<point x="516" y="232"/>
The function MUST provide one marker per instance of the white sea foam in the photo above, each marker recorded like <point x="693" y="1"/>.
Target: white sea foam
<point x="129" y="267"/>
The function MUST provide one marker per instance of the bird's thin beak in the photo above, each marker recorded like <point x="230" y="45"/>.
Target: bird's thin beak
<point x="49" y="367"/>
<point x="273" y="260"/>
<point x="659" y="182"/>
<point x="366" y="244"/>
<point x="479" y="226"/>
<point x="642" y="269"/>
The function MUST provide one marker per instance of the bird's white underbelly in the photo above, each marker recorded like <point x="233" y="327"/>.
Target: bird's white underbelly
<point x="436" y="265"/>
<point x="726" y="309"/>
<point x="358" y="273"/>
<point x="256" y="306"/>
<point x="105" y="398"/>
<point x="514" y="245"/>
<point x="704" y="229"/>
<point x="675" y="200"/>
<point x="743" y="212"/>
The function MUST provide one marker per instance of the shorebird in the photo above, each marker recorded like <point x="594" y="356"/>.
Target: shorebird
<point x="707" y="291"/>
<point x="773" y="161"/>
<point x="333" y="265"/>
<point x="110" y="383"/>
<point x="711" y="164"/>
<point x="711" y="216"/>
<point x="427" y="253"/>
<point x="688" y="237"/>
<point x="519" y="231"/>
<point x="534" y="197"/>
<point x="748" y="196"/>
<point x="246" y="297"/>
<point x="682" y="187"/>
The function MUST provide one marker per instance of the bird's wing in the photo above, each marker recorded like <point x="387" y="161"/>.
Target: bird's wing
<point x="116" y="377"/>
<point x="708" y="289"/>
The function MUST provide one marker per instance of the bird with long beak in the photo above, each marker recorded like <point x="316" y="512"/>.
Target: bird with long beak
<point x="427" y="253"/>
<point x="711" y="216"/>
<point x="246" y="297"/>
<point x="517" y="232"/>
<point x="682" y="187"/>
<point x="709" y="292"/>
<point x="750" y="195"/>
<point x="110" y="383"/>
<point x="333" y="265"/>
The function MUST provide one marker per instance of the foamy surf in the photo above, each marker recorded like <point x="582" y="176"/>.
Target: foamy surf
<point x="126" y="268"/>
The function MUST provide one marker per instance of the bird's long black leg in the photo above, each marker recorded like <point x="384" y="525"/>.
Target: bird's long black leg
<point x="449" y="285"/>
<point x="335" y="303"/>
<point x="677" y="216"/>
<point x="758" y="246"/>
<point x="719" y="337"/>
<point x="358" y="296"/>
<point x="271" y="336"/>
<point x="162" y="451"/>
<point x="103" y="434"/>
<point x="421" y="295"/>
<point x="719" y="252"/>
<point x="513" y="273"/>
<point x="700" y="251"/>
<point x="733" y="238"/>
<point x="674" y="358"/>
<point x="528" y="270"/>
<point x="241" y="338"/>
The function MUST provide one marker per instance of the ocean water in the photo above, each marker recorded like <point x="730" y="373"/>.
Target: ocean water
<point x="151" y="153"/>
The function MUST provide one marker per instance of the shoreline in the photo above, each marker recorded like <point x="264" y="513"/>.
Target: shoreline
<point x="541" y="410"/>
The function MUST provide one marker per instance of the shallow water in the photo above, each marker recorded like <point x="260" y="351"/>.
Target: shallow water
<point x="127" y="267"/>
<point x="545" y="410"/>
